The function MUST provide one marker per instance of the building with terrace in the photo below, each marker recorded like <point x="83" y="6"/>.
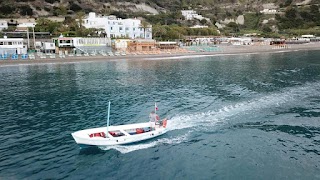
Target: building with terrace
<point x="3" y="25"/>
<point x="82" y="45"/>
<point x="12" y="46"/>
<point x="115" y="27"/>
<point x="191" y="15"/>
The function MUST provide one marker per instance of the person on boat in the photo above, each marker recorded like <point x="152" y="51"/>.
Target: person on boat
<point x="154" y="118"/>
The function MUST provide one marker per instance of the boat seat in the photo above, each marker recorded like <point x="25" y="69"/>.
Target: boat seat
<point x="99" y="134"/>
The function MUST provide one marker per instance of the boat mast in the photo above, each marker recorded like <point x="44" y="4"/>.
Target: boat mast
<point x="108" y="118"/>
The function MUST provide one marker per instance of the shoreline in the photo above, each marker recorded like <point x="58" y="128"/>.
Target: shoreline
<point x="226" y="50"/>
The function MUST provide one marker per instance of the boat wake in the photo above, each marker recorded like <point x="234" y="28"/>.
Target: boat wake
<point x="134" y="147"/>
<point x="209" y="119"/>
<point x="212" y="118"/>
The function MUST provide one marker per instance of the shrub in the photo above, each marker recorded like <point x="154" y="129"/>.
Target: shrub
<point x="26" y="10"/>
<point x="75" y="7"/>
<point x="51" y="1"/>
<point x="7" y="9"/>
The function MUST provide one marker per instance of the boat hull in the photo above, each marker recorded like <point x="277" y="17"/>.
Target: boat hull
<point x="128" y="134"/>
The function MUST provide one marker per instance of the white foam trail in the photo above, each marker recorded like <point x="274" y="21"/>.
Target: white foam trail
<point x="130" y="148"/>
<point x="212" y="118"/>
<point x="215" y="117"/>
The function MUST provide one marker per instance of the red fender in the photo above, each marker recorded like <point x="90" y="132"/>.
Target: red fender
<point x="139" y="130"/>
<point x="164" y="123"/>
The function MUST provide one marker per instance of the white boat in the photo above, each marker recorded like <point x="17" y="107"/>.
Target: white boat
<point x="117" y="135"/>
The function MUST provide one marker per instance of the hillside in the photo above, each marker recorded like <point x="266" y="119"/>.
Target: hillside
<point x="38" y="8"/>
<point x="230" y="16"/>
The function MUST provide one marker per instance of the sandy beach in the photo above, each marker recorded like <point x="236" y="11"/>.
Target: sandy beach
<point x="224" y="50"/>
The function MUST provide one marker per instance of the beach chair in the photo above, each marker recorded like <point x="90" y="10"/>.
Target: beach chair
<point x="43" y="56"/>
<point x="32" y="56"/>
<point x="3" y="56"/>
<point x="52" y="56"/>
<point x="24" y="56"/>
<point x="14" y="56"/>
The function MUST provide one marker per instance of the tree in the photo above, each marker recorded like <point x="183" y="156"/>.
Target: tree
<point x="144" y="25"/>
<point x="46" y="25"/>
<point x="61" y="10"/>
<point x="79" y="16"/>
<point x="234" y="27"/>
<point x="158" y="31"/>
<point x="26" y="10"/>
<point x="203" y="21"/>
<point x="7" y="9"/>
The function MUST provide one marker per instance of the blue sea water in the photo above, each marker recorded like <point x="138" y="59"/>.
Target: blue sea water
<point x="231" y="117"/>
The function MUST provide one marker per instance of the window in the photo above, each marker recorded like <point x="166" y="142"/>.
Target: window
<point x="120" y="28"/>
<point x="1" y="43"/>
<point x="134" y="29"/>
<point x="127" y="29"/>
<point x="111" y="28"/>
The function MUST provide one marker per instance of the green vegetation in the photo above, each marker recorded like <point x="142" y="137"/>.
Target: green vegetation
<point x="25" y="10"/>
<point x="303" y="18"/>
<point x="7" y="9"/>
<point x="169" y="24"/>
<point x="172" y="32"/>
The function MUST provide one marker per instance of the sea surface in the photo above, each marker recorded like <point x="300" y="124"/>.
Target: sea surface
<point x="231" y="117"/>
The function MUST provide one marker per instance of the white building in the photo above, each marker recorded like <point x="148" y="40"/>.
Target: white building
<point x="25" y="26"/>
<point x="12" y="46"/>
<point x="3" y="25"/>
<point x="48" y="47"/>
<point x="199" y="26"/>
<point x="191" y="14"/>
<point x="268" y="11"/>
<point x="240" y="41"/>
<point x="308" y="36"/>
<point x="117" y="27"/>
<point x="82" y="44"/>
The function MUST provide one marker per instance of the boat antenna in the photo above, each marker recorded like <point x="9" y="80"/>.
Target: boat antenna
<point x="155" y="107"/>
<point x="108" y="117"/>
